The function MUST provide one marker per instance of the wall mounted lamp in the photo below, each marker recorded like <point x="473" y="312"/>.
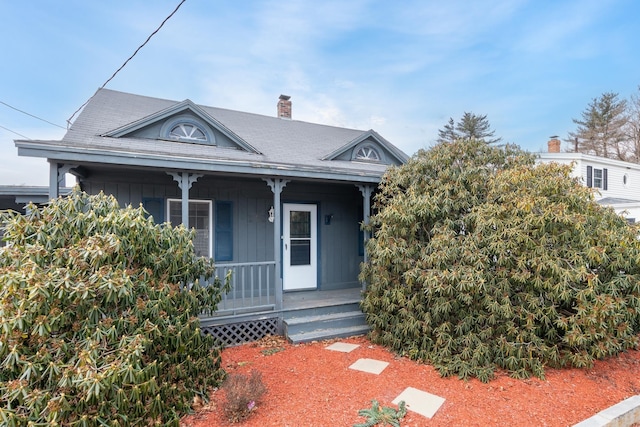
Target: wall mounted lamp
<point x="272" y="213"/>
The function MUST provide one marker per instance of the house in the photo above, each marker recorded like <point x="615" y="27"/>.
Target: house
<point x="617" y="183"/>
<point x="277" y="202"/>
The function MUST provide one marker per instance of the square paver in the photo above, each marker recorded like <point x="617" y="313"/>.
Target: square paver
<point x="369" y="365"/>
<point x="419" y="401"/>
<point x="343" y="347"/>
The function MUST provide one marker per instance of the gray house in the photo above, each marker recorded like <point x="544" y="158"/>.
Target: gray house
<point x="277" y="202"/>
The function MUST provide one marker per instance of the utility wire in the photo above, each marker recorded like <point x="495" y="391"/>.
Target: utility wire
<point x="125" y="62"/>
<point x="35" y="117"/>
<point x="13" y="131"/>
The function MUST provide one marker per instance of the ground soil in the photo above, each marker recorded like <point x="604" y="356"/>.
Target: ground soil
<point x="310" y="386"/>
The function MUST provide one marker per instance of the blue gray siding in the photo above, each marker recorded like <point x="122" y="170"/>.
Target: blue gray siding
<point x="250" y="199"/>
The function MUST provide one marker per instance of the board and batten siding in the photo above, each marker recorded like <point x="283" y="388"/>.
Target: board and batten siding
<point x="339" y="257"/>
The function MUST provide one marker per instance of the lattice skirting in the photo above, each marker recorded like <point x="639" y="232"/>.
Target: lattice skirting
<point x="239" y="333"/>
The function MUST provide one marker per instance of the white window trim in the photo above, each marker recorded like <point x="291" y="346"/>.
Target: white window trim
<point x="601" y="178"/>
<point x="210" y="203"/>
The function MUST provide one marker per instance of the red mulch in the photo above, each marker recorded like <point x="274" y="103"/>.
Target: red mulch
<point x="309" y="386"/>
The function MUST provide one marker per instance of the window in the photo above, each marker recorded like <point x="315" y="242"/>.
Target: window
<point x="367" y="153"/>
<point x="187" y="129"/>
<point x="199" y="218"/>
<point x="597" y="178"/>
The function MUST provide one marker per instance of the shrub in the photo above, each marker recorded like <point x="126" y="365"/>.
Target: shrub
<point x="98" y="316"/>
<point x="242" y="394"/>
<point x="481" y="260"/>
<point x="385" y="415"/>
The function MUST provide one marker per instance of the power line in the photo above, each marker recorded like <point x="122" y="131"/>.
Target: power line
<point x="13" y="131"/>
<point x="28" y="114"/>
<point x="125" y="62"/>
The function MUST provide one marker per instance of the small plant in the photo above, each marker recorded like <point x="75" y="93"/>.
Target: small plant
<point x="375" y="415"/>
<point x="271" y="351"/>
<point x="242" y="394"/>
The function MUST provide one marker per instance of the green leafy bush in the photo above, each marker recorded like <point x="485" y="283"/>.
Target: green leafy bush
<point x="98" y="316"/>
<point x="482" y="260"/>
<point x="385" y="415"/>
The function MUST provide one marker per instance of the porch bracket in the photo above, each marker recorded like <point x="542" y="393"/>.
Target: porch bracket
<point x="366" y="191"/>
<point x="179" y="177"/>
<point x="277" y="185"/>
<point x="185" y="180"/>
<point x="62" y="171"/>
<point x="57" y="172"/>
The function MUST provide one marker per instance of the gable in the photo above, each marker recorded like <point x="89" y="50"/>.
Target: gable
<point x="184" y="122"/>
<point x="369" y="147"/>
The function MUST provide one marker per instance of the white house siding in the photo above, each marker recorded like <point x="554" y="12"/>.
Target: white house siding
<point x="623" y="197"/>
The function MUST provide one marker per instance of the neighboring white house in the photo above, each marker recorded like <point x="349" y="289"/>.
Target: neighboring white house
<point x="617" y="183"/>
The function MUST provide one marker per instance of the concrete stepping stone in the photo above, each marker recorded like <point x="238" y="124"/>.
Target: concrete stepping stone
<point x="419" y="401"/>
<point x="369" y="365"/>
<point x="342" y="347"/>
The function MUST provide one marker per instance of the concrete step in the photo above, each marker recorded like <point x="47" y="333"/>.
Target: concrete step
<point x="325" y="334"/>
<point x="322" y="309"/>
<point x="305" y="324"/>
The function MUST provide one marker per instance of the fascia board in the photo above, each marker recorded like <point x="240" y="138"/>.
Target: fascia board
<point x="112" y="157"/>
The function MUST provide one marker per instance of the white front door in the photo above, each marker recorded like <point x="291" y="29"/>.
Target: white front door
<point x="299" y="247"/>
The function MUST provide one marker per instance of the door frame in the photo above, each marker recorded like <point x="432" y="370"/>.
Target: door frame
<point x="293" y="280"/>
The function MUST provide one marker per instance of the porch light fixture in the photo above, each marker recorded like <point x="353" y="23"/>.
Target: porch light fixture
<point x="271" y="214"/>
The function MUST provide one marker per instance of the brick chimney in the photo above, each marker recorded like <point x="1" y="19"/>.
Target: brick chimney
<point x="284" y="107"/>
<point x="553" y="145"/>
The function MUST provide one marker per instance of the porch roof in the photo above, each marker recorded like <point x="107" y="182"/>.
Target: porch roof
<point x="282" y="147"/>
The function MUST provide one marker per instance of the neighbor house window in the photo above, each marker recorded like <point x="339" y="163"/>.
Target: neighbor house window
<point x="597" y="178"/>
<point x="200" y="218"/>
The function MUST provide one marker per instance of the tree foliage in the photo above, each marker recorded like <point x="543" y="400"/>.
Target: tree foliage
<point x="98" y="309"/>
<point x="482" y="260"/>
<point x="601" y="129"/>
<point x="632" y="128"/>
<point x="470" y="126"/>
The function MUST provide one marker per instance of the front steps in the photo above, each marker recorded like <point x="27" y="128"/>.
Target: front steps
<point x="339" y="320"/>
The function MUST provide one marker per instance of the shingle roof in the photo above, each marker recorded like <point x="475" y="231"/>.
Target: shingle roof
<point x="293" y="143"/>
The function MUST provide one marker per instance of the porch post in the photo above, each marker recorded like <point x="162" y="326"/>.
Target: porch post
<point x="54" y="188"/>
<point x="185" y="180"/>
<point x="366" y="191"/>
<point x="277" y="185"/>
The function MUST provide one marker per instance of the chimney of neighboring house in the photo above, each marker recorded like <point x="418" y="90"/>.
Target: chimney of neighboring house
<point x="284" y="107"/>
<point x="554" y="144"/>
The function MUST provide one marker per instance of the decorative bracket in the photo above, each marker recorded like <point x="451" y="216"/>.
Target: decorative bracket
<point x="179" y="177"/>
<point x="279" y="182"/>
<point x="63" y="170"/>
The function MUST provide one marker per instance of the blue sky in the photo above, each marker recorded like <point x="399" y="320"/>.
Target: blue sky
<point x="400" y="67"/>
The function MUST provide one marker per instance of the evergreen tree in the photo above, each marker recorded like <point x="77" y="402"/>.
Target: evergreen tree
<point x="601" y="128"/>
<point x="470" y="126"/>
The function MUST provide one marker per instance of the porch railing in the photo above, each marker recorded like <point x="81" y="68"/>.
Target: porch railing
<point x="252" y="287"/>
